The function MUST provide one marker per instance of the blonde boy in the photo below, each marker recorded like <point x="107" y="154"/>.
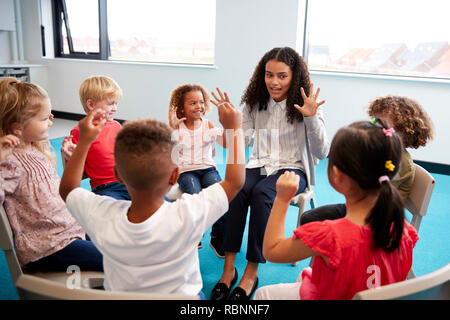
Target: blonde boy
<point x="149" y="244"/>
<point x="100" y="92"/>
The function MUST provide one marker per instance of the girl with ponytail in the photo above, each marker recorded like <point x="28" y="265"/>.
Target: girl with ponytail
<point x="371" y="246"/>
<point x="46" y="236"/>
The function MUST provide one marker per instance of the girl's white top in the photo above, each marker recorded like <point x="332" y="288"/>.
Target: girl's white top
<point x="196" y="148"/>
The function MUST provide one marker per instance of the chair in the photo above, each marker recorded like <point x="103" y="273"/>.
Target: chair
<point x="419" y="199"/>
<point x="34" y="288"/>
<point x="432" y="286"/>
<point x="174" y="192"/>
<point x="87" y="278"/>
<point x="301" y="201"/>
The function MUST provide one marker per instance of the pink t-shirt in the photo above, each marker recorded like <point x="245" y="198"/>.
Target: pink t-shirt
<point x="354" y="263"/>
<point x="99" y="165"/>
<point x="39" y="219"/>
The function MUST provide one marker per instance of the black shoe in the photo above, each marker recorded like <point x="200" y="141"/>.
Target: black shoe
<point x="239" y="294"/>
<point x="220" y="291"/>
<point x="199" y="246"/>
<point x="216" y="245"/>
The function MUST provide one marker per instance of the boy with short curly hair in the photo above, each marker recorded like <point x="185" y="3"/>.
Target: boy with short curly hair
<point x="148" y="244"/>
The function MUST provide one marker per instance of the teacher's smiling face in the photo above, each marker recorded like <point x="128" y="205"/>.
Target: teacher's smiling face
<point x="278" y="78"/>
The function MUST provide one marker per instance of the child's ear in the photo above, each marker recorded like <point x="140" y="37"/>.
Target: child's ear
<point x="90" y="104"/>
<point x="117" y="176"/>
<point x="174" y="176"/>
<point x="16" y="129"/>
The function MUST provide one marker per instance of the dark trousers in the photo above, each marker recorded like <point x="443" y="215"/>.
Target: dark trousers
<point x="258" y="193"/>
<point x="82" y="253"/>
<point x="114" y="189"/>
<point x="328" y="212"/>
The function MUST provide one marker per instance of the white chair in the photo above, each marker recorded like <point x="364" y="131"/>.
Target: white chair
<point x="174" y="192"/>
<point x="35" y="288"/>
<point x="432" y="286"/>
<point x="88" y="278"/>
<point x="301" y="201"/>
<point x="419" y="199"/>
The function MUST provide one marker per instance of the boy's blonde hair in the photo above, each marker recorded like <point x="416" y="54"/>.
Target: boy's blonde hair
<point x="177" y="97"/>
<point x="19" y="102"/>
<point x="98" y="88"/>
<point x="142" y="151"/>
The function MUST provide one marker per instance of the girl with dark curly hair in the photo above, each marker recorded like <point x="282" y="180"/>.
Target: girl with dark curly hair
<point x="410" y="120"/>
<point x="284" y="120"/>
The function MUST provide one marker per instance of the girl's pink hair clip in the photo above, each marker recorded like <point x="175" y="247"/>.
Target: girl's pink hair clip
<point x="388" y="132"/>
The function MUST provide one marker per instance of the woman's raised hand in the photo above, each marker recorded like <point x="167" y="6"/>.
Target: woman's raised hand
<point x="310" y="104"/>
<point x="174" y="121"/>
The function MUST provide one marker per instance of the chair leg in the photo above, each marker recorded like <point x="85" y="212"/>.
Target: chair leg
<point x="411" y="274"/>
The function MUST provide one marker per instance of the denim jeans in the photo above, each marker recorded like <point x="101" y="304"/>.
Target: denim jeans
<point x="193" y="182"/>
<point x="82" y="253"/>
<point x="114" y="189"/>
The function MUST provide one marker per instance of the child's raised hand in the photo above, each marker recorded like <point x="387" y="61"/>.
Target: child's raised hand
<point x="287" y="185"/>
<point x="67" y="147"/>
<point x="7" y="144"/>
<point x="229" y="116"/>
<point x="310" y="103"/>
<point x="223" y="98"/>
<point x="91" y="125"/>
<point x="174" y="122"/>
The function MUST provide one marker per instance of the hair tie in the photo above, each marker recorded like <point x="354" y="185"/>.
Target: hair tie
<point x="383" y="179"/>
<point x="388" y="132"/>
<point x="389" y="165"/>
<point x="374" y="121"/>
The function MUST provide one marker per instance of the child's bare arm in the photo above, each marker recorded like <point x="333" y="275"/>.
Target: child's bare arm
<point x="221" y="140"/>
<point x="231" y="119"/>
<point x="276" y="247"/>
<point x="90" y="127"/>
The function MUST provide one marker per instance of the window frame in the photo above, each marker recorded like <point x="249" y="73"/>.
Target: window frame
<point x="59" y="9"/>
<point x="60" y="20"/>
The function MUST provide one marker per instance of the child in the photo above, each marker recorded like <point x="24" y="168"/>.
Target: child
<point x="289" y="133"/>
<point x="46" y="236"/>
<point x="196" y="144"/>
<point x="149" y="244"/>
<point x="100" y="92"/>
<point x="411" y="122"/>
<point x="372" y="246"/>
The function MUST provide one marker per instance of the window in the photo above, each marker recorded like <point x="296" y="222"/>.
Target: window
<point x="169" y="31"/>
<point x="402" y="38"/>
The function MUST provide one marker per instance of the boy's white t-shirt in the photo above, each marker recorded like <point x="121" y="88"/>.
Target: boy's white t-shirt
<point x="158" y="255"/>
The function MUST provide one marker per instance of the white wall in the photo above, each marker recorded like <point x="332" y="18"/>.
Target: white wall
<point x="245" y="30"/>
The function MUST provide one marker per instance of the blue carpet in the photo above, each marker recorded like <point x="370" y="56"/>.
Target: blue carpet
<point x="430" y="253"/>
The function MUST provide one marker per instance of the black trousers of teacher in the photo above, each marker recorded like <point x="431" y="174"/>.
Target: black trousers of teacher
<point x="258" y="193"/>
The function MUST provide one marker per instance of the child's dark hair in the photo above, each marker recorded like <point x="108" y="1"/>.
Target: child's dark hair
<point x="408" y="116"/>
<point x="257" y="94"/>
<point x="177" y="97"/>
<point x="142" y="151"/>
<point x="365" y="152"/>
